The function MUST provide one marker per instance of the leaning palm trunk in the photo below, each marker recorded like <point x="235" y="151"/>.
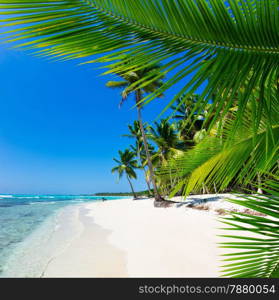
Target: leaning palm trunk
<point x="157" y="195"/>
<point x="147" y="182"/>
<point x="135" y="196"/>
<point x="145" y="173"/>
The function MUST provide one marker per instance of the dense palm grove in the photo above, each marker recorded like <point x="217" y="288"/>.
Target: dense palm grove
<point x="168" y="138"/>
<point x="157" y="146"/>
<point x="179" y="146"/>
<point x="227" y="138"/>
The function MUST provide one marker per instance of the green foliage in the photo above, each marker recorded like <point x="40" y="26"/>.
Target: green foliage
<point x="164" y="135"/>
<point x="226" y="44"/>
<point x="232" y="47"/>
<point x="229" y="157"/>
<point x="130" y="83"/>
<point x="130" y="86"/>
<point x="126" y="164"/>
<point x="256" y="255"/>
<point x="190" y="120"/>
<point x="240" y="158"/>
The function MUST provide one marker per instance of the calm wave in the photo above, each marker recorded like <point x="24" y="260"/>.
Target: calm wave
<point x="20" y="215"/>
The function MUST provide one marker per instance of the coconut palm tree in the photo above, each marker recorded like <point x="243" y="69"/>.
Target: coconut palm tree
<point x="184" y="107"/>
<point x="135" y="133"/>
<point x="164" y="135"/>
<point x="128" y="84"/>
<point x="221" y="160"/>
<point x="139" y="149"/>
<point x="189" y="120"/>
<point x="126" y="165"/>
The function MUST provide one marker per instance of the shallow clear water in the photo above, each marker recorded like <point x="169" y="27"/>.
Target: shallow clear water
<point x="20" y="215"/>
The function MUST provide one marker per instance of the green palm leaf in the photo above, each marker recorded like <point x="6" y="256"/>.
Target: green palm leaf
<point x="256" y="256"/>
<point x="126" y="165"/>
<point x="226" y="44"/>
<point x="116" y="84"/>
<point x="228" y="159"/>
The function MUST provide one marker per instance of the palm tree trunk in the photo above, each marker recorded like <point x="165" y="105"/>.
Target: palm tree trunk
<point x="147" y="182"/>
<point x="145" y="173"/>
<point x="157" y="195"/>
<point x="259" y="191"/>
<point x="135" y="196"/>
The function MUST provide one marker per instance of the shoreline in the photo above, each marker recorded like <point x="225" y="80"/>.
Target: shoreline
<point x="89" y="254"/>
<point x="125" y="238"/>
<point x="38" y="248"/>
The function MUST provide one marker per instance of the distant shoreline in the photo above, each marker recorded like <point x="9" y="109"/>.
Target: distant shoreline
<point x="144" y="193"/>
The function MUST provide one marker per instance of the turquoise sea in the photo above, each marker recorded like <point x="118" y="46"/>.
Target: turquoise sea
<point x="21" y="215"/>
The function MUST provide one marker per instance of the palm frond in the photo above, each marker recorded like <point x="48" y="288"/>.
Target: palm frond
<point x="126" y="163"/>
<point x="226" y="44"/>
<point x="226" y="159"/>
<point x="132" y="174"/>
<point x="256" y="254"/>
<point x="116" y="84"/>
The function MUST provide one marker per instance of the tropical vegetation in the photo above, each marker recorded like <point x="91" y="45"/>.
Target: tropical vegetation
<point x="230" y="49"/>
<point x="129" y="83"/>
<point x="126" y="165"/>
<point x="136" y="133"/>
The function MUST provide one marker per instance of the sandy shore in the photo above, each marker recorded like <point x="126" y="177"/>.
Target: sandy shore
<point x="126" y="238"/>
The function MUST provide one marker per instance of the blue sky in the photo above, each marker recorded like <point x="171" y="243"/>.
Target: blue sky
<point x="60" y="127"/>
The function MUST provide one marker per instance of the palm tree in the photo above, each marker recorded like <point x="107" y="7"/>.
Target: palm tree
<point x="184" y="107"/>
<point x="189" y="119"/>
<point x="126" y="165"/>
<point x="135" y="133"/>
<point x="169" y="145"/>
<point x="222" y="159"/>
<point x="164" y="135"/>
<point x="129" y="86"/>
<point x="142" y="162"/>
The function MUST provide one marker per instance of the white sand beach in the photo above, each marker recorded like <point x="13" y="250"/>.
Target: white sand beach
<point x="132" y="238"/>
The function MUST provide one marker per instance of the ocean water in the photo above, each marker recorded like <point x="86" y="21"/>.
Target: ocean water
<point x="22" y="215"/>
